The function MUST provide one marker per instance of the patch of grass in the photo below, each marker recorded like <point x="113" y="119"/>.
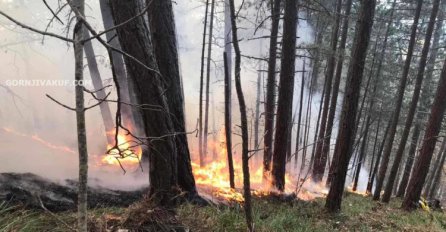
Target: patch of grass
<point x="359" y="213"/>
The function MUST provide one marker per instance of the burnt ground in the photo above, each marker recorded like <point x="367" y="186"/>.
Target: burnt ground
<point x="29" y="190"/>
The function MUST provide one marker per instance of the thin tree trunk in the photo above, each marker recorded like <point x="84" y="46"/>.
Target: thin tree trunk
<point x="257" y="113"/>
<point x="99" y="87"/>
<point x="80" y="118"/>
<point x="362" y="150"/>
<point x="270" y="91"/>
<point x="344" y="143"/>
<point x="437" y="177"/>
<point x="436" y="165"/>
<point x="244" y="122"/>
<point x="378" y="159"/>
<point x="320" y="159"/>
<point x="375" y="144"/>
<point x="299" y="120"/>
<point x="336" y="84"/>
<point x="208" y="79"/>
<point x="200" y="105"/>
<point x="132" y="116"/>
<point x="430" y="139"/>
<point x="286" y="89"/>
<point x="424" y="103"/>
<point x="228" y="121"/>
<point x="317" y="129"/>
<point x="398" y="105"/>
<point x="413" y="105"/>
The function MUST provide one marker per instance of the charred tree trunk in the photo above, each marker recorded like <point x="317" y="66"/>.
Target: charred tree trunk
<point x="413" y="105"/>
<point x="270" y="91"/>
<point x="430" y="139"/>
<point x="320" y="159"/>
<point x="398" y="105"/>
<point x="244" y="122"/>
<point x="136" y="40"/>
<point x="200" y="105"/>
<point x="208" y="79"/>
<point x="163" y="30"/>
<point x="344" y="143"/>
<point x="228" y="121"/>
<point x="286" y="89"/>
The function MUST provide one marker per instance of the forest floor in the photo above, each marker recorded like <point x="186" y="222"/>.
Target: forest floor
<point x="359" y="213"/>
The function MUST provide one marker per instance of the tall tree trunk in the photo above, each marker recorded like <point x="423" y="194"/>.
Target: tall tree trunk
<point x="132" y="116"/>
<point x="344" y="143"/>
<point x="257" y="113"/>
<point x="99" y="87"/>
<point x="299" y="120"/>
<point x="398" y="105"/>
<point x="286" y="92"/>
<point x="243" y="120"/>
<point x="336" y="84"/>
<point x="363" y="148"/>
<point x="79" y="34"/>
<point x="228" y="121"/>
<point x="162" y="24"/>
<point x="375" y="144"/>
<point x="317" y="129"/>
<point x="413" y="105"/>
<point x="227" y="58"/>
<point x="424" y="103"/>
<point x="320" y="159"/>
<point x="378" y="159"/>
<point x="136" y="40"/>
<point x="208" y="79"/>
<point x="200" y="105"/>
<point x="430" y="139"/>
<point x="270" y="91"/>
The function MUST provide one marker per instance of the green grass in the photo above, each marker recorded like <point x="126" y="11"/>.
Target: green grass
<point x="359" y="213"/>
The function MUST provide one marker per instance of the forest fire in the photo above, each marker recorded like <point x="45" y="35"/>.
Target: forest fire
<point x="127" y="153"/>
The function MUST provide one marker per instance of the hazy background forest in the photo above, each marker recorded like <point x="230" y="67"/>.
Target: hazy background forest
<point x="337" y="103"/>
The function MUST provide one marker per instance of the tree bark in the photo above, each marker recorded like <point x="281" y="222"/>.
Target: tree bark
<point x="286" y="90"/>
<point x="430" y="138"/>
<point x="398" y="105"/>
<point x="345" y="138"/>
<point x="244" y="122"/>
<point x="320" y="159"/>
<point x="413" y="105"/>
<point x="270" y="91"/>
<point x="136" y="40"/>
<point x="80" y="118"/>
<point x="162" y="24"/>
